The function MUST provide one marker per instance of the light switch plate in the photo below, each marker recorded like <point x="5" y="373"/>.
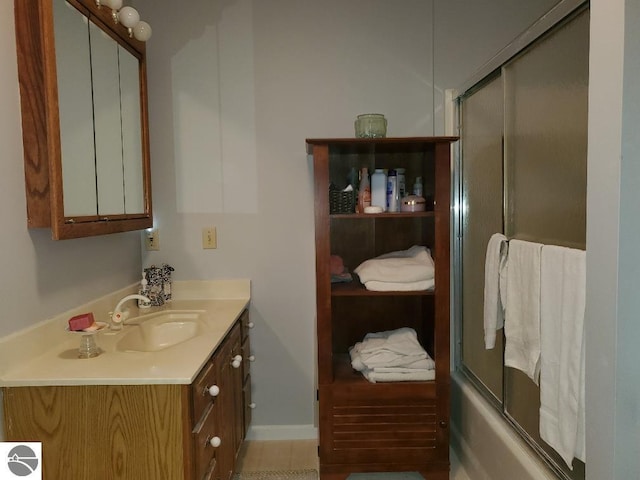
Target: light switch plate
<point x="209" y="238"/>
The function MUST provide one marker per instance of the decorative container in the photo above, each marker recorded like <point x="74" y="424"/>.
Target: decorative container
<point x="371" y="125"/>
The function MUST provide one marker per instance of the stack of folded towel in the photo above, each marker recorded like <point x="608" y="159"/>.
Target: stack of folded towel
<point x="392" y="356"/>
<point x="405" y="270"/>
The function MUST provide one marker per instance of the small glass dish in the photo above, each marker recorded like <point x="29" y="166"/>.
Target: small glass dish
<point x="371" y="125"/>
<point x="88" y="347"/>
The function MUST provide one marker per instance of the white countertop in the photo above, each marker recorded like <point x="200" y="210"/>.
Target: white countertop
<point x="59" y="363"/>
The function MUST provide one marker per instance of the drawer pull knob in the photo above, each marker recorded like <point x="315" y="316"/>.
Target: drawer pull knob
<point x="443" y="424"/>
<point x="214" y="441"/>
<point x="213" y="390"/>
<point x="237" y="361"/>
<point x="252" y="405"/>
<point x="251" y="325"/>
<point x="252" y="358"/>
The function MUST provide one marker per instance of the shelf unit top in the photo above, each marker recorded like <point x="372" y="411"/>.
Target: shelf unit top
<point x="381" y="145"/>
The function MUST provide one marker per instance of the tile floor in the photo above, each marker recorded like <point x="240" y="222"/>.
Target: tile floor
<point x="302" y="454"/>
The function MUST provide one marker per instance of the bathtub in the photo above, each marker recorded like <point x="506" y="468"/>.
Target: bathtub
<point x="487" y="447"/>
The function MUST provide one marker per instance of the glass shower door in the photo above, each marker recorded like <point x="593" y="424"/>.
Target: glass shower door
<point x="523" y="172"/>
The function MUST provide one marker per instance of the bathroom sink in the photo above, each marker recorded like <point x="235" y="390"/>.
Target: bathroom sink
<point x="161" y="330"/>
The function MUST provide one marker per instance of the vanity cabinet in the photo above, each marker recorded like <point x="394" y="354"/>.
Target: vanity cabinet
<point x="390" y="426"/>
<point x="141" y="432"/>
<point x="84" y="119"/>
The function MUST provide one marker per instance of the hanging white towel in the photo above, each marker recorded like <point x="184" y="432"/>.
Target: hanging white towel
<point x="494" y="270"/>
<point x="522" y="311"/>
<point x="562" y="307"/>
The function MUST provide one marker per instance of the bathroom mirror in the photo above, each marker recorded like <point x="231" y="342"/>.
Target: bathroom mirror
<point x="84" y="117"/>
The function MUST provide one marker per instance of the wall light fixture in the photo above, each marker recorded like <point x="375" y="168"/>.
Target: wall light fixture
<point x="128" y="17"/>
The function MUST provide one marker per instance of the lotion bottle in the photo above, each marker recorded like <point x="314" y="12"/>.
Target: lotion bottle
<point x="379" y="189"/>
<point x="364" y="193"/>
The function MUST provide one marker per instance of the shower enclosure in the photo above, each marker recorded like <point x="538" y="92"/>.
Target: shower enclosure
<point x="522" y="171"/>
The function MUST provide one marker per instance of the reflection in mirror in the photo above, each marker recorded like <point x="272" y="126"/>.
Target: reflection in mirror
<point x="101" y="129"/>
<point x="76" y="111"/>
<point x="106" y="100"/>
<point x="133" y="165"/>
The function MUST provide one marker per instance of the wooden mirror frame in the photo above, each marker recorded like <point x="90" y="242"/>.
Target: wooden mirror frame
<point x="37" y="75"/>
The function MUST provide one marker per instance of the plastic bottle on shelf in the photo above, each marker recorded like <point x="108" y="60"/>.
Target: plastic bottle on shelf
<point x="402" y="187"/>
<point x="417" y="187"/>
<point x="364" y="192"/>
<point x="379" y="189"/>
<point x="393" y="204"/>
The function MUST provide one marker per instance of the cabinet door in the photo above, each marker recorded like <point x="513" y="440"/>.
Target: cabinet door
<point x="101" y="432"/>
<point x="397" y="425"/>
<point x="226" y="423"/>
<point x="238" y="382"/>
<point x="106" y="103"/>
<point x="132" y="157"/>
<point x="75" y="104"/>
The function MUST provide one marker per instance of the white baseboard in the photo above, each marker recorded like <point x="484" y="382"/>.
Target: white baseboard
<point x="282" y="432"/>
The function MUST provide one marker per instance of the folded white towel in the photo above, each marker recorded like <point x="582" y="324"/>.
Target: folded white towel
<point x="393" y="351"/>
<point x="405" y="266"/>
<point x="376" y="286"/>
<point x="422" y="364"/>
<point x="415" y="376"/>
<point x="494" y="271"/>
<point x="562" y="307"/>
<point x="522" y="311"/>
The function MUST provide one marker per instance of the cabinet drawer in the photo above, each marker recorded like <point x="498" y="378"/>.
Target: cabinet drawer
<point x="213" y="472"/>
<point x="201" y="398"/>
<point x="206" y="430"/>
<point x="246" y="362"/>
<point x="248" y="406"/>
<point x="245" y="324"/>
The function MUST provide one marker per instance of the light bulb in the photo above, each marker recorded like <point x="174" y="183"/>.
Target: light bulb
<point x="128" y="17"/>
<point x="142" y="31"/>
<point x="113" y="4"/>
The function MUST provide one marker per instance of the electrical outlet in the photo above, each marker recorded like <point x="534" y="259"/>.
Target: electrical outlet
<point x="209" y="239"/>
<point x="152" y="239"/>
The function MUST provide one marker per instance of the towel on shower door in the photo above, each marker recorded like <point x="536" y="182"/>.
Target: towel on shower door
<point x="562" y="306"/>
<point x="494" y="287"/>
<point x="522" y="311"/>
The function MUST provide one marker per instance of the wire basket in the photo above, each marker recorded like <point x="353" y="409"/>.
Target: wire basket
<point x="341" y="202"/>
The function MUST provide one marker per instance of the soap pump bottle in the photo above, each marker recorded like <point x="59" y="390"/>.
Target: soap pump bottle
<point x="144" y="290"/>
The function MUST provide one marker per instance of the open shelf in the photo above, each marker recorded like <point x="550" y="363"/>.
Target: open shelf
<point x="357" y="289"/>
<point x="343" y="373"/>
<point x="355" y="216"/>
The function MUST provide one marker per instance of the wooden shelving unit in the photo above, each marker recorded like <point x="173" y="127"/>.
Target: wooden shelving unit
<point x="396" y="426"/>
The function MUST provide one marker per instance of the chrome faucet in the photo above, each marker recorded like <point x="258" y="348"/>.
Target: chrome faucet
<point x="119" y="315"/>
